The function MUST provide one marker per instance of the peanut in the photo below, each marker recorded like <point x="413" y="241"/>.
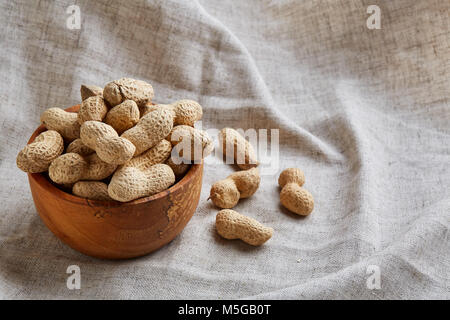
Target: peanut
<point x="123" y="116"/>
<point x="117" y="132"/>
<point x="90" y="91"/>
<point x="239" y="185"/>
<point x="150" y="130"/>
<point x="190" y="144"/>
<point x="233" y="225"/>
<point x="106" y="142"/>
<point x="123" y="185"/>
<point x="157" y="154"/>
<point x="72" y="167"/>
<point x="130" y="183"/>
<point x="186" y="111"/>
<point x="77" y="146"/>
<point x="149" y="107"/>
<point x="94" y="190"/>
<point x="293" y="196"/>
<point x="37" y="156"/>
<point x="243" y="152"/>
<point x="93" y="108"/>
<point x="123" y="89"/>
<point x="66" y="123"/>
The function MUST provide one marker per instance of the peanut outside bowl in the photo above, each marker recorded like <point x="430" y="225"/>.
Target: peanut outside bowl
<point x="111" y="229"/>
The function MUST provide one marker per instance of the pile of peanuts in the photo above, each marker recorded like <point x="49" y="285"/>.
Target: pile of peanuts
<point x="119" y="145"/>
<point x="226" y="193"/>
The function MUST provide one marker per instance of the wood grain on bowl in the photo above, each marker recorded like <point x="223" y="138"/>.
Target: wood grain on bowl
<point x="114" y="230"/>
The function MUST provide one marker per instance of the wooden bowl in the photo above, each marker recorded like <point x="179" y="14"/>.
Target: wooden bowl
<point x="111" y="229"/>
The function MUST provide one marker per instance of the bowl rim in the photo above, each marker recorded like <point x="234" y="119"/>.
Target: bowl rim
<point x="43" y="181"/>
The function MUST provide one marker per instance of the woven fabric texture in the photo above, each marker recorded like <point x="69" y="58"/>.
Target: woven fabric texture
<point x="363" y="112"/>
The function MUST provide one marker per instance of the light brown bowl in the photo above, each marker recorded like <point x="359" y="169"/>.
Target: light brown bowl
<point x="111" y="229"/>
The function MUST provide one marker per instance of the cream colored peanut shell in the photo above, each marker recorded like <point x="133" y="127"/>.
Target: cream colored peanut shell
<point x="243" y="184"/>
<point x="149" y="107"/>
<point x="130" y="183"/>
<point x="158" y="154"/>
<point x="142" y="165"/>
<point x="123" y="116"/>
<point x="242" y="151"/>
<point x="123" y="89"/>
<point x="186" y="112"/>
<point x="77" y="146"/>
<point x="65" y="123"/>
<point x="247" y="181"/>
<point x="91" y="131"/>
<point x="102" y="138"/>
<point x="72" y="167"/>
<point x="37" y="156"/>
<point x="297" y="199"/>
<point x="224" y="194"/>
<point x="233" y="225"/>
<point x="115" y="150"/>
<point x="94" y="190"/>
<point x="190" y="144"/>
<point x="150" y="130"/>
<point x="291" y="175"/>
<point x="93" y="108"/>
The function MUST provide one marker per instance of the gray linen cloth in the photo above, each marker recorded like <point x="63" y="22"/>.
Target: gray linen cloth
<point x="363" y="112"/>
